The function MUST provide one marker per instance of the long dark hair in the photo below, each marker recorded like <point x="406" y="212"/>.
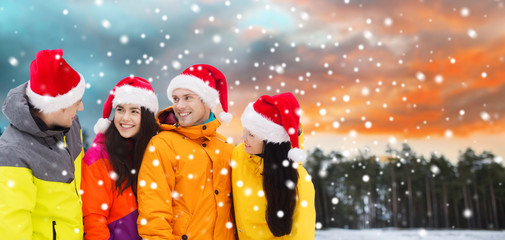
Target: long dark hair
<point x="125" y="155"/>
<point x="280" y="196"/>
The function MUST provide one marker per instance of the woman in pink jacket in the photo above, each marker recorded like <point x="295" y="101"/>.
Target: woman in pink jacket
<point x="110" y="167"/>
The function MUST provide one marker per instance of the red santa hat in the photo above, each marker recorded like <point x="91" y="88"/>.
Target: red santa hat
<point x="131" y="90"/>
<point x="208" y="83"/>
<point x="275" y="119"/>
<point x="53" y="84"/>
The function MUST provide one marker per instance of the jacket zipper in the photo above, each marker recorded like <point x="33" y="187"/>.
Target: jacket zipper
<point x="54" y="230"/>
<point x="72" y="161"/>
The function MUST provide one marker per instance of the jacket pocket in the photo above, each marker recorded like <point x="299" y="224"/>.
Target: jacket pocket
<point x="54" y="230"/>
<point x="180" y="221"/>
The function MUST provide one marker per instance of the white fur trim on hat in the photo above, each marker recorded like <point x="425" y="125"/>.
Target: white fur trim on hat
<point x="101" y="125"/>
<point x="263" y="127"/>
<point x="225" y="117"/>
<point x="297" y="155"/>
<point x="127" y="94"/>
<point x="49" y="104"/>
<point x="209" y="96"/>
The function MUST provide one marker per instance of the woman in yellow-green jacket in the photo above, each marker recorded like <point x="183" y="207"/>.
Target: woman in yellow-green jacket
<point x="273" y="194"/>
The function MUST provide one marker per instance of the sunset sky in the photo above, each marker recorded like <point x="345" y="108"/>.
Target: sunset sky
<point x="366" y="73"/>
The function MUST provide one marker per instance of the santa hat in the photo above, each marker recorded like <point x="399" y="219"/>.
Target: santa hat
<point x="131" y="90"/>
<point x="275" y="119"/>
<point x="53" y="84"/>
<point x="208" y="83"/>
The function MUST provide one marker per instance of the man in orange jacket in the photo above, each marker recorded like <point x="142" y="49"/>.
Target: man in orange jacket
<point x="184" y="188"/>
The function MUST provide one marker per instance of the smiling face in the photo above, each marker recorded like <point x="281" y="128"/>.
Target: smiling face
<point x="127" y="120"/>
<point x="252" y="144"/>
<point x="189" y="108"/>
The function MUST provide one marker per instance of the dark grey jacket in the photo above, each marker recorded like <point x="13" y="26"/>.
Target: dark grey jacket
<point x="39" y="175"/>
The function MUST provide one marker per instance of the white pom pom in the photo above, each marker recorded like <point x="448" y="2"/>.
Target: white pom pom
<point x="297" y="155"/>
<point x="225" y="117"/>
<point x="101" y="125"/>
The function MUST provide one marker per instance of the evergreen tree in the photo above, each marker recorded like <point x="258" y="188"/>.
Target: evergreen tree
<point x="405" y="190"/>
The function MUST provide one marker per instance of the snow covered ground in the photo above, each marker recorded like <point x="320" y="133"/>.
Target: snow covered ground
<point x="345" y="234"/>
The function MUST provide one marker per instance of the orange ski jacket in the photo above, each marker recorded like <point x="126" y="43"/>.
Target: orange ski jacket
<point x="184" y="189"/>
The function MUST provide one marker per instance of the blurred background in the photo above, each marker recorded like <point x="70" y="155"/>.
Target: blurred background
<point x="403" y="101"/>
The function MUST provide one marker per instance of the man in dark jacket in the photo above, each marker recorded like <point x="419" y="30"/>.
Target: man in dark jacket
<point x="41" y="152"/>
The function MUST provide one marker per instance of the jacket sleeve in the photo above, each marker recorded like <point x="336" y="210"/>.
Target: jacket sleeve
<point x="97" y="189"/>
<point x="17" y="201"/>
<point x="154" y="192"/>
<point x="304" y="217"/>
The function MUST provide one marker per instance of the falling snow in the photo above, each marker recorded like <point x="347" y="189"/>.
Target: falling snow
<point x="13" y="61"/>
<point x="364" y="81"/>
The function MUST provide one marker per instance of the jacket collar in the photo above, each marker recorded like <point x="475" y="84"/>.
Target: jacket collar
<point x="257" y="163"/>
<point x="99" y="138"/>
<point x="254" y="163"/>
